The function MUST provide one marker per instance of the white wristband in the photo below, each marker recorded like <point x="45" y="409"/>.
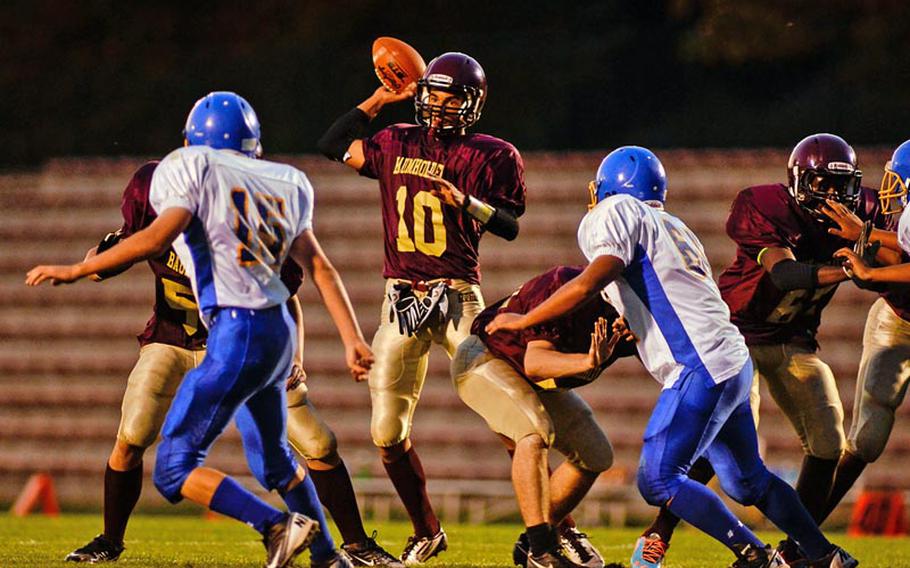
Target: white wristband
<point x="478" y="209"/>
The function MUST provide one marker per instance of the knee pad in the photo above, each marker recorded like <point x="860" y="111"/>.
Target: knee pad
<point x="748" y="488"/>
<point x="171" y="470"/>
<point x="318" y="446"/>
<point x="655" y="489"/>
<point x="389" y="426"/>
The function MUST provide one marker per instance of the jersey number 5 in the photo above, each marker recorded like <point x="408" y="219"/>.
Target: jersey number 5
<point x="263" y="238"/>
<point x="423" y="201"/>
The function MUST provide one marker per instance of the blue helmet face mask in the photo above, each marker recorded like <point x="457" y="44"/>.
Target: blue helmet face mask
<point x="224" y="120"/>
<point x="893" y="192"/>
<point x="629" y="170"/>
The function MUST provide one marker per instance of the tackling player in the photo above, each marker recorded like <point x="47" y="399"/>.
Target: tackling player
<point x="441" y="188"/>
<point x="172" y="343"/>
<point x="518" y="381"/>
<point x="233" y="253"/>
<point x="656" y="270"/>
<point x="884" y="373"/>
<point x="782" y="278"/>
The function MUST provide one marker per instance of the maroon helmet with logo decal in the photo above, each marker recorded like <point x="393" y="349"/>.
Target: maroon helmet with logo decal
<point x="823" y="166"/>
<point x="455" y="73"/>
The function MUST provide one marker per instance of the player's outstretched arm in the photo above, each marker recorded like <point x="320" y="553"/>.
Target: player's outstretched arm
<point x="147" y="243"/>
<point x="602" y="270"/>
<point x="343" y="141"/>
<point x="787" y="273"/>
<point x="306" y="251"/>
<point x="543" y="360"/>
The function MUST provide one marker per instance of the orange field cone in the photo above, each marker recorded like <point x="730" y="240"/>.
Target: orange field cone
<point x="878" y="513"/>
<point x="39" y="489"/>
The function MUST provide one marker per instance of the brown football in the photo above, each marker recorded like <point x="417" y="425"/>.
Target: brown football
<point x="397" y="64"/>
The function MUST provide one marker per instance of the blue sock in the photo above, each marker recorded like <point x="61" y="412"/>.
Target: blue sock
<point x="703" y="509"/>
<point x="782" y="506"/>
<point x="235" y="501"/>
<point x="303" y="499"/>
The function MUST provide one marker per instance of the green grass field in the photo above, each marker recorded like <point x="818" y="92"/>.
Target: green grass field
<point x="188" y="542"/>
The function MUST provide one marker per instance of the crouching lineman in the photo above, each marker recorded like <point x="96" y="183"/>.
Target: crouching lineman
<point x="655" y="269"/>
<point x="517" y="382"/>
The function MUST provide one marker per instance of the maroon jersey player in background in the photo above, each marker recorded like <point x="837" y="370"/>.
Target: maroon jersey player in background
<point x="782" y="278"/>
<point x="441" y="188"/>
<point x="172" y="343"/>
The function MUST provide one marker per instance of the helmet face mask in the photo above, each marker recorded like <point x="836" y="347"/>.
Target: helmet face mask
<point x="892" y="195"/>
<point x="464" y="80"/>
<point x="815" y="186"/>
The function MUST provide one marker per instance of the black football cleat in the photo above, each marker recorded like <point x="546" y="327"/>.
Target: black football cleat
<point x="753" y="557"/>
<point x="551" y="559"/>
<point x="101" y="549"/>
<point x="520" y="551"/>
<point x="369" y="553"/>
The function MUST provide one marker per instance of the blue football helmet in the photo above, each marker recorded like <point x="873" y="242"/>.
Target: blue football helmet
<point x="224" y="120"/>
<point x="630" y="170"/>
<point x="893" y="193"/>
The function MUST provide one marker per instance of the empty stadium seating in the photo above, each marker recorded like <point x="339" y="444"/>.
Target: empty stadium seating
<point x="65" y="352"/>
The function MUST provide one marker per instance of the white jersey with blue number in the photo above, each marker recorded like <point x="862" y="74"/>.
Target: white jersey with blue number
<point x="666" y="292"/>
<point x="246" y="214"/>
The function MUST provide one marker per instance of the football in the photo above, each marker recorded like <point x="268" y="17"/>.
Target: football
<point x="396" y="63"/>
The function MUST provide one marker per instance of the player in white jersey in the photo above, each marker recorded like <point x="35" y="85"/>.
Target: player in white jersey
<point x="655" y="271"/>
<point x="236" y="219"/>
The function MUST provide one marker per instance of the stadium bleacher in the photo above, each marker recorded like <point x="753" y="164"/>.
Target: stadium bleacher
<point x="65" y="353"/>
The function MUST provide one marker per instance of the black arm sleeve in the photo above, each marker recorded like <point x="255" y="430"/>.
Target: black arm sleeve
<point x="337" y="139"/>
<point x="107" y="242"/>
<point x="789" y="274"/>
<point x="503" y="223"/>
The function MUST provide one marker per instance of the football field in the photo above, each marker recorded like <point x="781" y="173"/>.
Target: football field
<point x="189" y="542"/>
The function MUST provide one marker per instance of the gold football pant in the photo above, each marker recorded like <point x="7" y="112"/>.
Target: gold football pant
<point x="881" y="383"/>
<point x="154" y="381"/>
<point x="804" y="388"/>
<point x="514" y="409"/>
<point x="400" y="368"/>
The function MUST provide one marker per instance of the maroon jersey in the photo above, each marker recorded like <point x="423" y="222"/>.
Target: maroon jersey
<point x="765" y="216"/>
<point x="424" y="238"/>
<point x="175" y="319"/>
<point x="570" y="333"/>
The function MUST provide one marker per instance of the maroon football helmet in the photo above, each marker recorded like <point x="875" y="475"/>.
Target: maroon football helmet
<point x="823" y="166"/>
<point x="455" y="73"/>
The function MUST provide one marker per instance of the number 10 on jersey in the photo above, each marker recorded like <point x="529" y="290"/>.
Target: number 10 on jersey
<point x="423" y="201"/>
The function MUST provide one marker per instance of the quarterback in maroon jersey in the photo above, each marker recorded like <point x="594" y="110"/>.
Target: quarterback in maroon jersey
<point x="172" y="343"/>
<point x="783" y="276"/>
<point x="441" y="188"/>
<point x="518" y="382"/>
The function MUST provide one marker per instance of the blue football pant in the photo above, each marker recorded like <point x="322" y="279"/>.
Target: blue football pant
<point x="696" y="417"/>
<point x="247" y="361"/>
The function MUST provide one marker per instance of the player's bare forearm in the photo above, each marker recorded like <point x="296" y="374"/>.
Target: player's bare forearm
<point x="542" y="360"/>
<point x="147" y="243"/>
<point x="897" y="273"/>
<point x="296" y="312"/>
<point x="828" y="275"/>
<point x="382" y="96"/>
<point x="307" y="252"/>
<point x="887" y="238"/>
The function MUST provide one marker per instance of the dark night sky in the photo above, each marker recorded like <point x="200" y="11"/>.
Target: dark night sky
<point x="104" y="77"/>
